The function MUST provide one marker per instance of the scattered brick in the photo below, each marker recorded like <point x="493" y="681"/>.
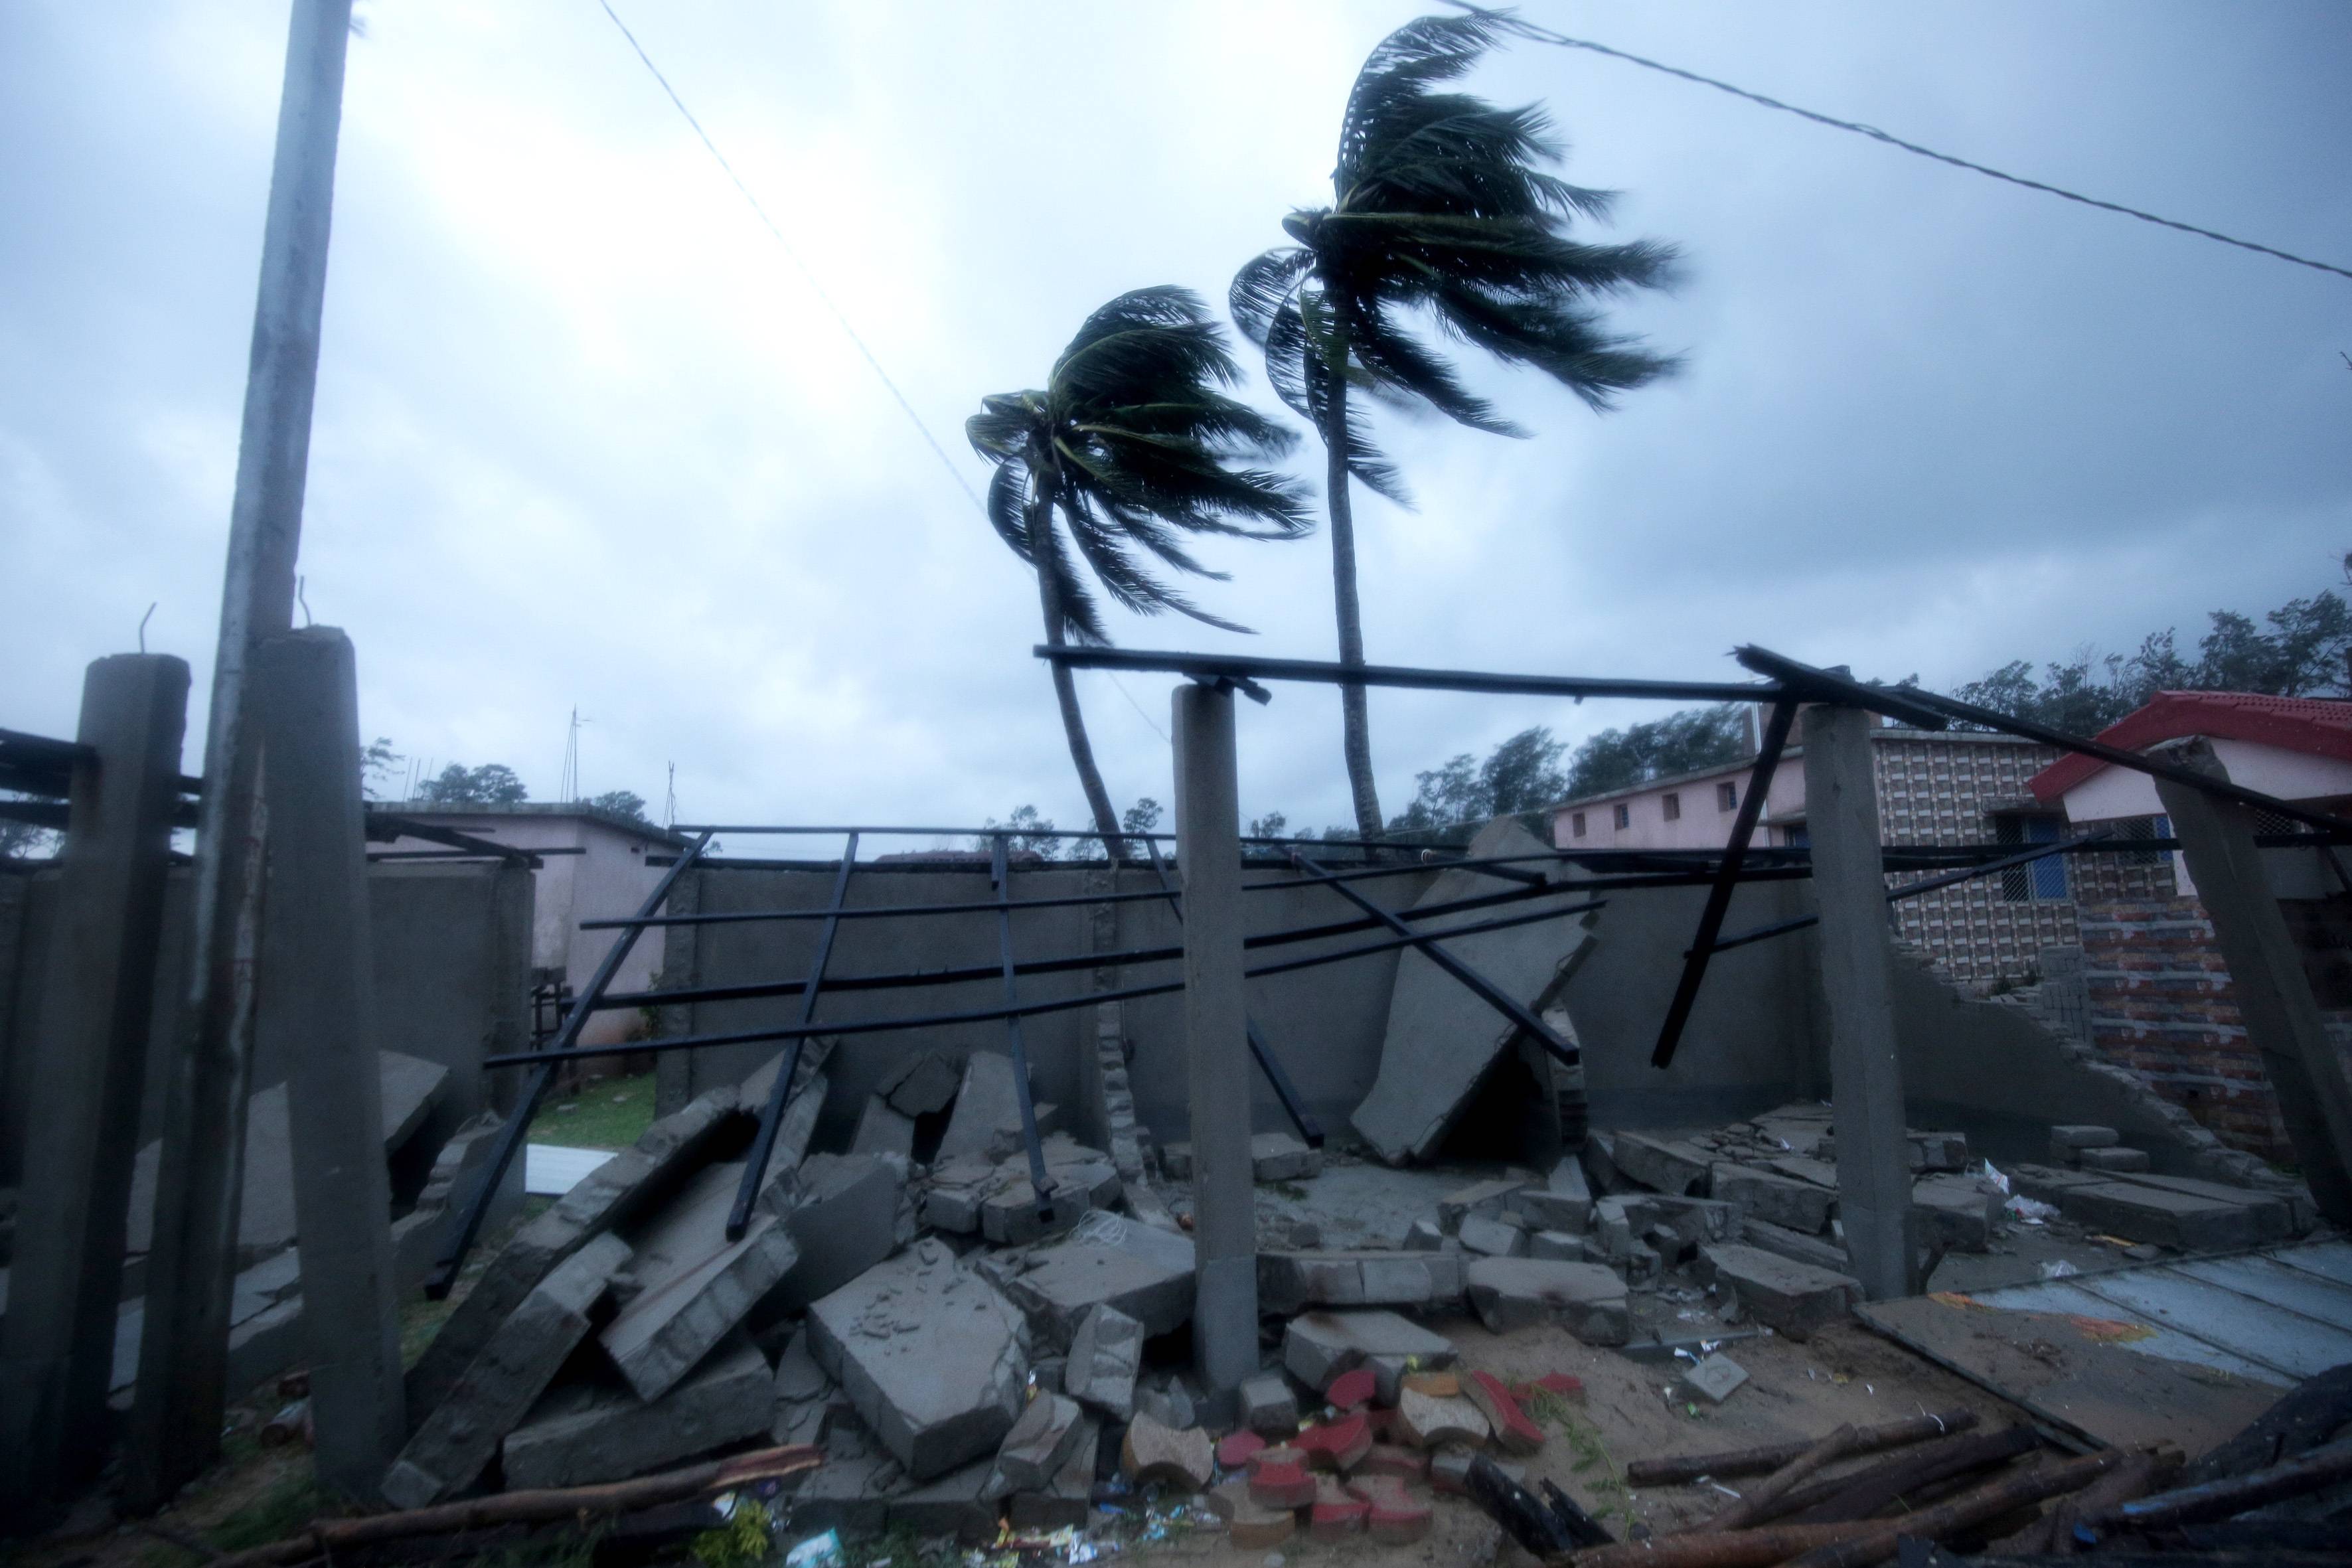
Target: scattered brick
<point x="1512" y="1428"/>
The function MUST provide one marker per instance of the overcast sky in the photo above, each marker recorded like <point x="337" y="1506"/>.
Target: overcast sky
<point x="586" y="436"/>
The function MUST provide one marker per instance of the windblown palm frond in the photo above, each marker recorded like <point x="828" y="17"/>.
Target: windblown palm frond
<point x="1444" y="213"/>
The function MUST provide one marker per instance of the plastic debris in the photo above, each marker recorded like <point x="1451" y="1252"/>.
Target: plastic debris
<point x="816" y="1551"/>
<point x="2030" y="1211"/>
<point x="2058" y="1269"/>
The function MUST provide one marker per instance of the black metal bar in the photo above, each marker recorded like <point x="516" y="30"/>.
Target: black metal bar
<point x="1933" y="884"/>
<point x="755" y="990"/>
<point x="1945" y="709"/>
<point x="779" y="1093"/>
<point x="1810" y="683"/>
<point x="1284" y="1089"/>
<point x="1727" y="878"/>
<point x="1239" y="666"/>
<point x="388" y="828"/>
<point x="1485" y="990"/>
<point x="1041" y="1185"/>
<point x="881" y="911"/>
<point x="467" y="1222"/>
<point x="1033" y="1009"/>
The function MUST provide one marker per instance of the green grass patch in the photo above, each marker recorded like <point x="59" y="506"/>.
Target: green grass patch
<point x="610" y="1113"/>
<point x="275" y="1514"/>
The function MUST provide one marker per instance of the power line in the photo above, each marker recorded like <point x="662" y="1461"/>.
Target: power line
<point x="921" y="428"/>
<point x="1542" y="35"/>
<point x="818" y="288"/>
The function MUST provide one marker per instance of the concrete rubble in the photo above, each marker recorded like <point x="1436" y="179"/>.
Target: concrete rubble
<point x="968" y="1360"/>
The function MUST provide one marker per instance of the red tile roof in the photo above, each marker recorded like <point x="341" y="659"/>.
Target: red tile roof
<point x="2306" y="724"/>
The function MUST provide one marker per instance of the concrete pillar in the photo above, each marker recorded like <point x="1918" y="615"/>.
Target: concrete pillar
<point x="1874" y="1162"/>
<point x="2274" y="992"/>
<point x="1216" y="1039"/>
<point x="317" y="1007"/>
<point x="81" y="1128"/>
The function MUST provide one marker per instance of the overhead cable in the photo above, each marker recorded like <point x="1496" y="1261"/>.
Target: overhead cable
<point x="1542" y="35"/>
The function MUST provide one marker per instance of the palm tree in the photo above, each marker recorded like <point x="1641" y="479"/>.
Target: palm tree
<point x="1131" y="444"/>
<point x="1440" y="209"/>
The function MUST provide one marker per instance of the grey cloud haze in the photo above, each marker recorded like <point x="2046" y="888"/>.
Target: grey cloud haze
<point x="585" y="435"/>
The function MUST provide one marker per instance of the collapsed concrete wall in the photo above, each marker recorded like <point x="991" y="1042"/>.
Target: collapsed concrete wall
<point x="452" y="977"/>
<point x="1325" y="1023"/>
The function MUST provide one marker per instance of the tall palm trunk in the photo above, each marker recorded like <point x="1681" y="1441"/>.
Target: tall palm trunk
<point x="1066" y="690"/>
<point x="1355" y="718"/>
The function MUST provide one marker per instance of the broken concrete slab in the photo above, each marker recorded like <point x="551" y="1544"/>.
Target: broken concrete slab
<point x="1318" y="1346"/>
<point x="932" y="1356"/>
<point x="2115" y="1158"/>
<point x="1587" y="1298"/>
<point x="2046" y="1184"/>
<point x="956" y="1505"/>
<point x="2066" y="1139"/>
<point x="1556" y="1245"/>
<point x="1441" y="1039"/>
<point x="1279" y="1157"/>
<point x="1487" y="1198"/>
<point x="1105" y="1353"/>
<point x="1083" y="1179"/>
<point x="501" y="1384"/>
<point x="581" y="1433"/>
<point x="1792" y="1298"/>
<point x="408" y="1086"/>
<point x="987" y="1109"/>
<point x="1817" y="1251"/>
<point x="1783" y="1201"/>
<point x="852" y="1495"/>
<point x="1663" y="1164"/>
<point x="1955" y="1211"/>
<point x="693" y="1284"/>
<point x="2168" y="1218"/>
<point x="2271" y="1213"/>
<point x="1290" y="1281"/>
<point x="1105" y="1261"/>
<point x="416" y="1235"/>
<point x="1037" y="1447"/>
<point x="1067" y="1501"/>
<point x="924" y="1086"/>
<point x="1491" y="1237"/>
<point x="883" y="1130"/>
<point x="616" y="1193"/>
<point x="841" y="1212"/>
<point x="1427" y="1421"/>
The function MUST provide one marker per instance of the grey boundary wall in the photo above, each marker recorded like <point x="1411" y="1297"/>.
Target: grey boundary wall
<point x="452" y="959"/>
<point x="1757" y="1038"/>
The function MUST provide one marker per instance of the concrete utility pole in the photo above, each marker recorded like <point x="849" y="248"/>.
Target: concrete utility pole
<point x="1873" y="1161"/>
<point x="81" y="1130"/>
<point x="319" y="1013"/>
<point x="2274" y="992"/>
<point x="175" y="1419"/>
<point x="1216" y="1039"/>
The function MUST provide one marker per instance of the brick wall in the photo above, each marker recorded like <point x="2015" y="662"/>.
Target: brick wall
<point x="1938" y="789"/>
<point x="2160" y="1004"/>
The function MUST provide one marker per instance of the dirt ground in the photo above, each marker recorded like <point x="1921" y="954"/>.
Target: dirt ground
<point x="1636" y="1410"/>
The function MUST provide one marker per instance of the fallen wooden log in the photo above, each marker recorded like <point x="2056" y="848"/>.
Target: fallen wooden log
<point x="1757" y="1461"/>
<point x="1866" y="1491"/>
<point x="1855" y="1542"/>
<point x="1989" y="1502"/>
<point x="1762" y="1497"/>
<point x="2054" y="1531"/>
<point x="327" y="1536"/>
<point x="2308" y="1472"/>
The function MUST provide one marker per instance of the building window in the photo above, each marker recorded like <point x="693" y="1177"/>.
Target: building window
<point x="2038" y="882"/>
<point x="1624" y="814"/>
<point x="1794" y="836"/>
<point x="1674" y="807"/>
<point x="1726" y="796"/>
<point x="2146" y="827"/>
<point x="1576" y="824"/>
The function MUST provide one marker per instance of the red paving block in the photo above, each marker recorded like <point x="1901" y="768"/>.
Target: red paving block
<point x="1351" y="1390"/>
<point x="1337" y="1513"/>
<point x="1335" y="1445"/>
<point x="1234" y="1451"/>
<point x="1282" y="1484"/>
<point x="1565" y="1384"/>
<point x="1393" y="1460"/>
<point x="1396" y="1514"/>
<point x="1512" y="1428"/>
